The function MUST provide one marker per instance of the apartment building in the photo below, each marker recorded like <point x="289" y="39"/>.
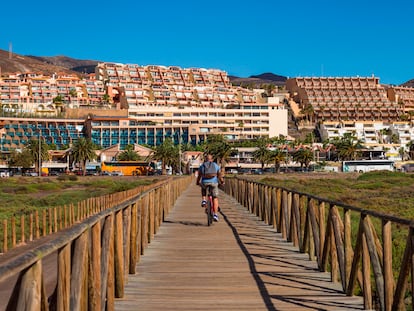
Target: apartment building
<point x="159" y="101"/>
<point x="404" y="97"/>
<point x="342" y="98"/>
<point x="16" y="132"/>
<point x="150" y="125"/>
<point x="35" y="94"/>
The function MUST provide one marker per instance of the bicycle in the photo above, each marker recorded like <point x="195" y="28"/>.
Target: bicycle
<point x="210" y="205"/>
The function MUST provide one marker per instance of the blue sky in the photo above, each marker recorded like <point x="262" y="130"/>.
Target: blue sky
<point x="289" y="38"/>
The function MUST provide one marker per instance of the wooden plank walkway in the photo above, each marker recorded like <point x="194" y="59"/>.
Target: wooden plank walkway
<point x="238" y="263"/>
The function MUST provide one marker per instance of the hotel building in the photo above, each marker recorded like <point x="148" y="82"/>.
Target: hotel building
<point x="132" y="104"/>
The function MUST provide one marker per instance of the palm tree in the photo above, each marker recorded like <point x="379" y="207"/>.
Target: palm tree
<point x="308" y="111"/>
<point x="278" y="156"/>
<point x="262" y="153"/>
<point x="348" y="147"/>
<point x="401" y="152"/>
<point x="129" y="154"/>
<point x="82" y="151"/>
<point x="38" y="151"/>
<point x="219" y="147"/>
<point x="410" y="146"/>
<point x="167" y="153"/>
<point x="303" y="156"/>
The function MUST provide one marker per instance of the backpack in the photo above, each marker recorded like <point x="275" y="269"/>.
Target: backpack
<point x="209" y="170"/>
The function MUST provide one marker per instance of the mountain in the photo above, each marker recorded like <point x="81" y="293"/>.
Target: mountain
<point x="258" y="80"/>
<point x="409" y="83"/>
<point x="11" y="63"/>
<point x="78" y="65"/>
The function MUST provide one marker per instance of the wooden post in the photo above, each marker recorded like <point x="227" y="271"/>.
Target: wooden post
<point x="5" y="246"/>
<point x="95" y="299"/>
<point x="30" y="294"/>
<point x="31" y="227"/>
<point x="348" y="253"/>
<point x="79" y="274"/>
<point x="37" y="225"/>
<point x="13" y="232"/>
<point x="119" y="256"/>
<point x="44" y="228"/>
<point x="50" y="221"/>
<point x="133" y="239"/>
<point x="107" y="253"/>
<point x="322" y="228"/>
<point x="387" y="259"/>
<point x="55" y="216"/>
<point x="366" y="272"/>
<point x="126" y="220"/>
<point x="22" y="230"/>
<point x="63" y="283"/>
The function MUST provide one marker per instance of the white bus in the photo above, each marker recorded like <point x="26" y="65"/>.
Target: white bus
<point x="363" y="166"/>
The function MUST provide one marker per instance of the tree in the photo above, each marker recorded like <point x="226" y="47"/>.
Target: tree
<point x="129" y="154"/>
<point x="401" y="152"/>
<point x="38" y="151"/>
<point x="73" y="93"/>
<point x="303" y="156"/>
<point x="348" y="147"/>
<point x="83" y="150"/>
<point x="410" y="146"/>
<point x="167" y="153"/>
<point x="220" y="148"/>
<point x="262" y="153"/>
<point x="22" y="159"/>
<point x="58" y="100"/>
<point x="278" y="156"/>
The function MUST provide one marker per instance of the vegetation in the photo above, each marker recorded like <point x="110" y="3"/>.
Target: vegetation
<point x="129" y="154"/>
<point x="22" y="195"/>
<point x="167" y="153"/>
<point x="220" y="148"/>
<point x="386" y="192"/>
<point x="82" y="151"/>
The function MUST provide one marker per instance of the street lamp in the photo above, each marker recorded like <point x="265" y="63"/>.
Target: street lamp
<point x="179" y="151"/>
<point x="40" y="156"/>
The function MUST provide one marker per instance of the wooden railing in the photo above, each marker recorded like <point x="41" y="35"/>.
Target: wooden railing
<point x="17" y="231"/>
<point x="371" y="254"/>
<point x="85" y="266"/>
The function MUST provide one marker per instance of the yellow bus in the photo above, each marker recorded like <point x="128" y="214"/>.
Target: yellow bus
<point x="127" y="168"/>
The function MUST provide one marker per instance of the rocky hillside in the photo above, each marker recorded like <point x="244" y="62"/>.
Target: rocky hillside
<point x="12" y="63"/>
<point x="258" y="80"/>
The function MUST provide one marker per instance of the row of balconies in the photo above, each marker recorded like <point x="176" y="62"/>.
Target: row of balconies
<point x="339" y="91"/>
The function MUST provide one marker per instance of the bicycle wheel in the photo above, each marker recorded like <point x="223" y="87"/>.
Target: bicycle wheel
<point x="209" y="212"/>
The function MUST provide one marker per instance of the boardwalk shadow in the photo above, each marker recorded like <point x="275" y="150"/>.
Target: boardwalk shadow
<point x="261" y="285"/>
<point x="186" y="223"/>
<point x="308" y="288"/>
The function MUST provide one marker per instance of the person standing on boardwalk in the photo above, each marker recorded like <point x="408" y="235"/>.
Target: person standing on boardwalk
<point x="209" y="174"/>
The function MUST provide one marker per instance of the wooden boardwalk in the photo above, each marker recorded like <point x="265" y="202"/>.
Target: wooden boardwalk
<point x="238" y="263"/>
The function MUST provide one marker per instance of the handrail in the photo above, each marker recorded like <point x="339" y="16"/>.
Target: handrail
<point x="53" y="219"/>
<point x="93" y="258"/>
<point x="357" y="246"/>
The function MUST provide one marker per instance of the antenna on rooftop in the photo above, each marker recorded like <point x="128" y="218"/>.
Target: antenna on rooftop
<point x="10" y="50"/>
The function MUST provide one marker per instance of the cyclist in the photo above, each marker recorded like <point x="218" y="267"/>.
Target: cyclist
<point x="209" y="174"/>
